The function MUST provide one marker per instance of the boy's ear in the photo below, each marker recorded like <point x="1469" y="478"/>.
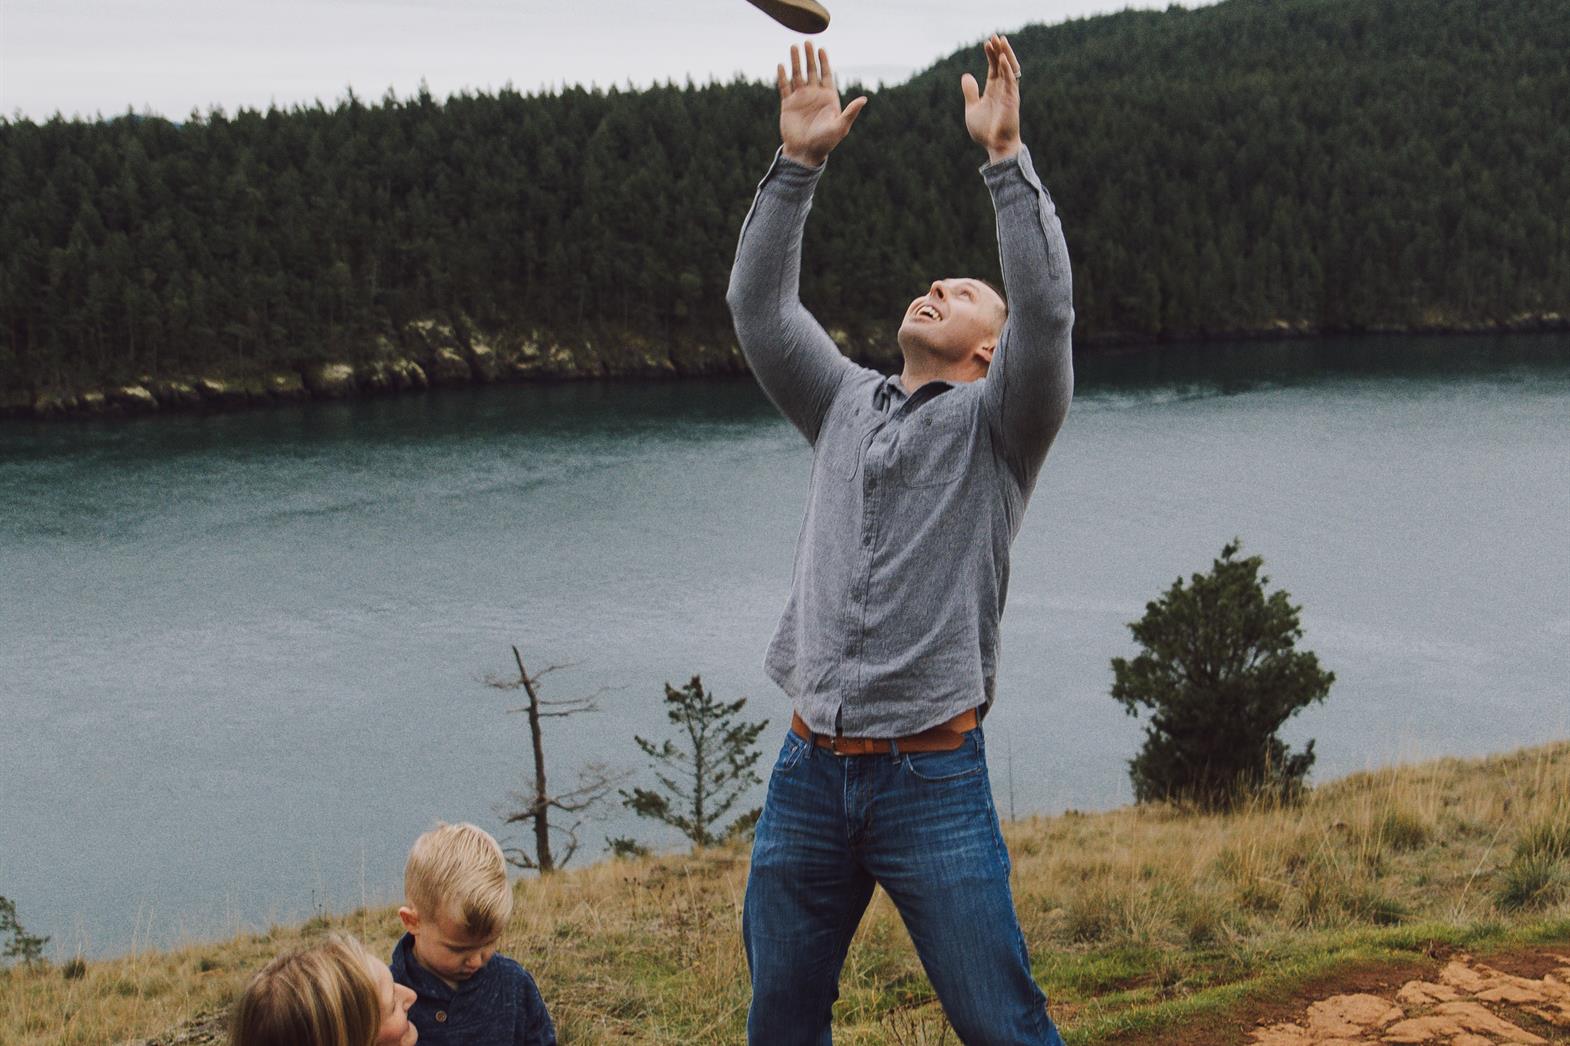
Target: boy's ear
<point x="410" y="919"/>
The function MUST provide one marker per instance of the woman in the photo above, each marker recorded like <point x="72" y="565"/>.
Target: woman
<point x="334" y="993"/>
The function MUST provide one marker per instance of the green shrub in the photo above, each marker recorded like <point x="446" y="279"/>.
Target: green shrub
<point x="626" y="847"/>
<point x="1317" y="903"/>
<point x="1549" y="839"/>
<point x="1092" y="915"/>
<point x="1532" y="880"/>
<point x="1377" y="908"/>
<point x="1202" y="922"/>
<point x="1403" y="830"/>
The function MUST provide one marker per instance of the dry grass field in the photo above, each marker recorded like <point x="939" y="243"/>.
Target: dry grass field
<point x="1143" y="921"/>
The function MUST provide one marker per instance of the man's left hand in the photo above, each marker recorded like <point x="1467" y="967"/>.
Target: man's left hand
<point x="992" y="116"/>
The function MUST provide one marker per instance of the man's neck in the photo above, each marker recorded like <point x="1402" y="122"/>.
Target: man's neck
<point x="919" y="371"/>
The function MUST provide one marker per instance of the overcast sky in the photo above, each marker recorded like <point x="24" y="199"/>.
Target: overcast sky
<point x="91" y="57"/>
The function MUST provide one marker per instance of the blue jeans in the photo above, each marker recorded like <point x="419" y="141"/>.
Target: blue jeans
<point x="923" y="827"/>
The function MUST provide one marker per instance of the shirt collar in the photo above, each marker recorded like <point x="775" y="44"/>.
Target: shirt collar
<point x="890" y="395"/>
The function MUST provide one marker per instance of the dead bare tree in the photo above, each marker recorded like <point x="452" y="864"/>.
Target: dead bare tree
<point x="595" y="781"/>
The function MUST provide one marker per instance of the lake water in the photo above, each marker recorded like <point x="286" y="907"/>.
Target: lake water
<point x="241" y="656"/>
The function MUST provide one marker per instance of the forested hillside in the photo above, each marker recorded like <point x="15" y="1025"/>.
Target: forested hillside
<point x="1326" y="164"/>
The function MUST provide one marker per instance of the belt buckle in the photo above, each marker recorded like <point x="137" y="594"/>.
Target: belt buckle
<point x="834" y="744"/>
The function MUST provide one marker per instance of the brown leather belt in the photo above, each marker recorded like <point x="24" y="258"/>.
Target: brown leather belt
<point x="945" y="737"/>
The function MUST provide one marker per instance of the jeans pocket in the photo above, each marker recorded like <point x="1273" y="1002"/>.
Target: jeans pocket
<point x="956" y="765"/>
<point x="790" y="753"/>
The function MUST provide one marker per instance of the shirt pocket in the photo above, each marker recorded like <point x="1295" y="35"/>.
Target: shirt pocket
<point x="934" y="449"/>
<point x="840" y="447"/>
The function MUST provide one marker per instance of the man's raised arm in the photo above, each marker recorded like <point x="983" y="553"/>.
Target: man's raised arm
<point x="792" y="357"/>
<point x="1031" y="377"/>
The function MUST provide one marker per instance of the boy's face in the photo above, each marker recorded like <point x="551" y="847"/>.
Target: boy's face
<point x="445" y="947"/>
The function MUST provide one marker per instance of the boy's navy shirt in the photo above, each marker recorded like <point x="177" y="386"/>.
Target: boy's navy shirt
<point x="499" y="1006"/>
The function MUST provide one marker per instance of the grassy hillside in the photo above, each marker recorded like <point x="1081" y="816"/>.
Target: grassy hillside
<point x="1139" y="919"/>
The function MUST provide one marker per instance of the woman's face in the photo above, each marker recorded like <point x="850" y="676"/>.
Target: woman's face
<point x="396" y="1000"/>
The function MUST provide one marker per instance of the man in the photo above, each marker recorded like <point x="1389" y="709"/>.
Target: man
<point x="889" y="641"/>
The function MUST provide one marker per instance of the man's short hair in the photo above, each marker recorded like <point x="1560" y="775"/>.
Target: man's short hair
<point x="458" y="871"/>
<point x="1004" y="298"/>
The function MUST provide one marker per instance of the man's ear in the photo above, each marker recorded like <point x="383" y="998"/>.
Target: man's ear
<point x="984" y="353"/>
<point x="410" y="919"/>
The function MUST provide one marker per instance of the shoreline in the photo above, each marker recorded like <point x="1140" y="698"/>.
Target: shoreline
<point x="435" y="356"/>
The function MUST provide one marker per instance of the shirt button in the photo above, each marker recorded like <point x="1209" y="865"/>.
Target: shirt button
<point x="866" y="541"/>
<point x="441" y="1016"/>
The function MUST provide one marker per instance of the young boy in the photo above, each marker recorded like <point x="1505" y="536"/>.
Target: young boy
<point x="456" y="902"/>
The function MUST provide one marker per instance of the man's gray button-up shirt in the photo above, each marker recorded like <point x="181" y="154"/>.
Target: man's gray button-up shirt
<point x="901" y="572"/>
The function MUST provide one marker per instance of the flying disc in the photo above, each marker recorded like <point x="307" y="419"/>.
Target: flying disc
<point x="801" y="16"/>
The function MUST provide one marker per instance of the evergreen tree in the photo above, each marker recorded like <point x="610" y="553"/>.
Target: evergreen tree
<point x="20" y="945"/>
<point x="1218" y="170"/>
<point x="702" y="778"/>
<point x="1220" y="674"/>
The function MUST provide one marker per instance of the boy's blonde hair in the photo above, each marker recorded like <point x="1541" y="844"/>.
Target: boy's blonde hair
<point x="323" y="995"/>
<point x="458" y="870"/>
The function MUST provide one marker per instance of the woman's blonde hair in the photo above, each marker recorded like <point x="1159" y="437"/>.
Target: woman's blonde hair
<point x="323" y="995"/>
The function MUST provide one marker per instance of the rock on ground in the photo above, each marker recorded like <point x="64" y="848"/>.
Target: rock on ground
<point x="330" y="380"/>
<point x="1472" y="1004"/>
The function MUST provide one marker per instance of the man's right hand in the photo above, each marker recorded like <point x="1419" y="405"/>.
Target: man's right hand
<point x="811" y="121"/>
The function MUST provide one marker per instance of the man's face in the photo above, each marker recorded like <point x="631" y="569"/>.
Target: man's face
<point x="443" y="946"/>
<point x="954" y="320"/>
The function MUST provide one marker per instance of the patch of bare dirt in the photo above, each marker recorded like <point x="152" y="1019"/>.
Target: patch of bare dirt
<point x="1467" y="1003"/>
<point x="1526" y="990"/>
<point x="1233" y="1028"/>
